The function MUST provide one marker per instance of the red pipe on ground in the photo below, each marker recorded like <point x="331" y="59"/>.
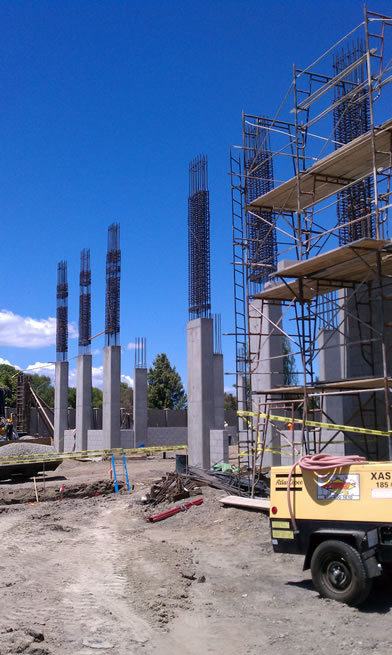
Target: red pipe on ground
<point x="174" y="510"/>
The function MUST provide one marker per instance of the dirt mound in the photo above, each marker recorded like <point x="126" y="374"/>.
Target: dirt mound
<point x="21" y="495"/>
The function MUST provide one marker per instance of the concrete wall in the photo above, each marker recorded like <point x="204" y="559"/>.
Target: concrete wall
<point x="155" y="437"/>
<point x="219" y="446"/>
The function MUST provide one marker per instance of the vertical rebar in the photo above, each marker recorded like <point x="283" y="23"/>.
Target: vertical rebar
<point x="258" y="180"/>
<point x="199" y="275"/>
<point x="113" y="270"/>
<point x="62" y="313"/>
<point x="85" y="303"/>
<point x="140" y="352"/>
<point x="351" y="119"/>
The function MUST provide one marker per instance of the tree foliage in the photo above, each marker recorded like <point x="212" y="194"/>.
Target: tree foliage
<point x="72" y="397"/>
<point x="8" y="380"/>
<point x="230" y="401"/>
<point x="126" y="396"/>
<point x="165" y="389"/>
<point x="42" y="385"/>
<point x="96" y="397"/>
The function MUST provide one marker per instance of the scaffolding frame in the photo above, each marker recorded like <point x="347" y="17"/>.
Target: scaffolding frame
<point x="300" y="208"/>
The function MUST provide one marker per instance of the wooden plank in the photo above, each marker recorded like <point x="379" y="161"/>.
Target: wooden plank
<point x="343" y="385"/>
<point x="262" y="504"/>
<point x="321" y="264"/>
<point x="326" y="272"/>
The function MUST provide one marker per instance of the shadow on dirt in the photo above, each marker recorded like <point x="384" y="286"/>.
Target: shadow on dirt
<point x="379" y="600"/>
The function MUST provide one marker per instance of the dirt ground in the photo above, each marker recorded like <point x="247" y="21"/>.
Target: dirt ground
<point x="88" y="574"/>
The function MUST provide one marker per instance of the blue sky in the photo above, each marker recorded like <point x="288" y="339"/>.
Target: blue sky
<point x="103" y="105"/>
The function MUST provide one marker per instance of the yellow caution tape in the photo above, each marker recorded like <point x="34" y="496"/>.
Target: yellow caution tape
<point x="317" y="424"/>
<point x="83" y="454"/>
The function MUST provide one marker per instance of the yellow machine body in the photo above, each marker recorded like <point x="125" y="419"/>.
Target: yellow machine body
<point x="361" y="492"/>
<point x="353" y="503"/>
<point x="340" y="520"/>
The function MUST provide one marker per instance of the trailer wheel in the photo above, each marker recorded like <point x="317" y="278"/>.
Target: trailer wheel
<point x="338" y="573"/>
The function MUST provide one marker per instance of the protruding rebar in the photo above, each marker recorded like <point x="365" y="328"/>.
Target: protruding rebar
<point x="351" y="119"/>
<point x="85" y="303"/>
<point x="199" y="276"/>
<point x="217" y="334"/>
<point x="113" y="270"/>
<point x="140" y="352"/>
<point x="260" y="234"/>
<point x="62" y="313"/>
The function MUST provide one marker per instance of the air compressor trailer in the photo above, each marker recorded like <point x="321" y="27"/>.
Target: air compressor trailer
<point x="340" y="519"/>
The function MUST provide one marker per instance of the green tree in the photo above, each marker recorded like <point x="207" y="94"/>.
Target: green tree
<point x="96" y="397"/>
<point x="126" y="398"/>
<point x="42" y="385"/>
<point x="230" y="401"/>
<point x="8" y="380"/>
<point x="72" y="397"/>
<point x="290" y="375"/>
<point x="165" y="389"/>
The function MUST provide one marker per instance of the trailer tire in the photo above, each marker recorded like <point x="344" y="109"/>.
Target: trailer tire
<point x="338" y="572"/>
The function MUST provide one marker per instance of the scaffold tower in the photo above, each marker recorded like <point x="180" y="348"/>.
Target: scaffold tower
<point x="311" y="198"/>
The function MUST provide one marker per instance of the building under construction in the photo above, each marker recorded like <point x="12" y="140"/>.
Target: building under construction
<point x="311" y="194"/>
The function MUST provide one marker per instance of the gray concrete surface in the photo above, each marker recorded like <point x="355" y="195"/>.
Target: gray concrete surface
<point x="201" y="409"/>
<point x="60" y="404"/>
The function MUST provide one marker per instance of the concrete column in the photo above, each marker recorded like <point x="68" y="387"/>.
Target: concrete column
<point x="111" y="396"/>
<point x="83" y="400"/>
<point x="366" y="310"/>
<point x="201" y="407"/>
<point x="140" y="406"/>
<point x="330" y="369"/>
<point x="266" y="371"/>
<point x="219" y="392"/>
<point x="60" y="404"/>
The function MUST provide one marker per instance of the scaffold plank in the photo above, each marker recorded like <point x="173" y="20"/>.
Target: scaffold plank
<point x="330" y="174"/>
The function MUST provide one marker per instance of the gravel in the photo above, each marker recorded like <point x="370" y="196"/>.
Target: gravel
<point x="20" y="448"/>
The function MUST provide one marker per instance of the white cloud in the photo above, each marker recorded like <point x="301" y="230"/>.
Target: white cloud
<point x="130" y="346"/>
<point x="26" y="332"/>
<point x="48" y="368"/>
<point x="97" y="375"/>
<point x="97" y="351"/>
<point x="41" y="368"/>
<point x="5" y="361"/>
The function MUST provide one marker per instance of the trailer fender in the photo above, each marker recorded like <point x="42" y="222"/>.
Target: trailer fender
<point x="353" y="538"/>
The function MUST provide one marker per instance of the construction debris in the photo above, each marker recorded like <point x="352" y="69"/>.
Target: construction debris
<point x="172" y="487"/>
<point x="173" y="510"/>
<point x="231" y="482"/>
